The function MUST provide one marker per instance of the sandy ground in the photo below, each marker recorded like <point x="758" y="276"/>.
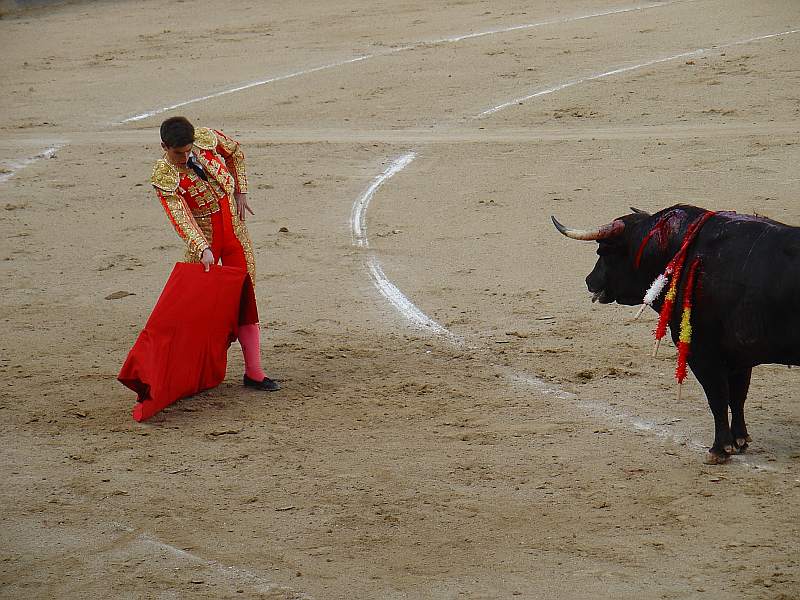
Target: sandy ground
<point x="529" y="448"/>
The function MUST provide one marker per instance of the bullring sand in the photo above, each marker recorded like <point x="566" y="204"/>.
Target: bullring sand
<point x="521" y="442"/>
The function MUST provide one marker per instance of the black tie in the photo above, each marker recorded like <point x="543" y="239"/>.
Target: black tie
<point x="195" y="166"/>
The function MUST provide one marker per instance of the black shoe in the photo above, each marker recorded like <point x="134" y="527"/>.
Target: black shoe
<point x="265" y="385"/>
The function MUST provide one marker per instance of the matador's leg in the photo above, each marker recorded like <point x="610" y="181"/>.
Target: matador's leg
<point x="232" y="255"/>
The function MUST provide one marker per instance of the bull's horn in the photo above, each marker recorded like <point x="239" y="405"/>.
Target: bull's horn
<point x="606" y="231"/>
<point x="639" y="211"/>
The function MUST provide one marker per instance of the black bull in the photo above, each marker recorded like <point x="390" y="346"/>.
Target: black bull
<point x="746" y="304"/>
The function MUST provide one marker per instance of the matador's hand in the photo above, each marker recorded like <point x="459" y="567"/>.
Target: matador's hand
<point x="207" y="258"/>
<point x="242" y="205"/>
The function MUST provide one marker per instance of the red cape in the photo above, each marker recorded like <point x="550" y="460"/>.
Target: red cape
<point x="183" y="348"/>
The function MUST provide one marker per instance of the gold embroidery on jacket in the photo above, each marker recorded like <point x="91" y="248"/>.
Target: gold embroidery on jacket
<point x="213" y="166"/>
<point x="205" y="194"/>
<point x="165" y="176"/>
<point x="204" y="223"/>
<point x="185" y="224"/>
<point x="240" y="230"/>
<point x="205" y="138"/>
<point x="232" y="152"/>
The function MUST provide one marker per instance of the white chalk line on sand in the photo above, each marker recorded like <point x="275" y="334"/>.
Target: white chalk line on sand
<point x="357" y="221"/>
<point x="446" y="40"/>
<point x="403" y="305"/>
<point x="235" y="574"/>
<point x="387" y="289"/>
<point x="553" y="21"/>
<point x="608" y="412"/>
<point x="15" y="166"/>
<point x="617" y="71"/>
<point x="613" y="414"/>
<point x="242" y="87"/>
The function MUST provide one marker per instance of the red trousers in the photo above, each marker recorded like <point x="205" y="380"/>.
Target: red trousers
<point x="228" y="250"/>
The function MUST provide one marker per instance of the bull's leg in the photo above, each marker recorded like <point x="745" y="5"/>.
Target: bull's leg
<point x="714" y="379"/>
<point x="739" y="384"/>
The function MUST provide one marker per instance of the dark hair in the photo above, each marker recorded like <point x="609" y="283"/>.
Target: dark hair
<point x="177" y="132"/>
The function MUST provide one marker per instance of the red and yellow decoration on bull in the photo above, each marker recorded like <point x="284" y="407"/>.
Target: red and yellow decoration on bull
<point x="672" y="274"/>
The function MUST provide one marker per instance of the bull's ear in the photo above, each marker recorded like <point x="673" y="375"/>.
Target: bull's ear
<point x="639" y="211"/>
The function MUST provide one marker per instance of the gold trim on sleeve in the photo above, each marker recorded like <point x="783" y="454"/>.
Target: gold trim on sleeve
<point x="185" y="225"/>
<point x="233" y="154"/>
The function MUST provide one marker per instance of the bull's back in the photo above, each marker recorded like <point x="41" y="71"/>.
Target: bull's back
<point x="749" y="290"/>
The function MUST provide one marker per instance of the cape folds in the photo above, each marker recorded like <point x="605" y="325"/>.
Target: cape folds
<point x="183" y="347"/>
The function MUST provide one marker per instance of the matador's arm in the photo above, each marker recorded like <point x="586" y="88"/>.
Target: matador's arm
<point x="165" y="182"/>
<point x="232" y="152"/>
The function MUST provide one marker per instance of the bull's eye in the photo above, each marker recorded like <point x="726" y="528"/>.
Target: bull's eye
<point x="606" y="249"/>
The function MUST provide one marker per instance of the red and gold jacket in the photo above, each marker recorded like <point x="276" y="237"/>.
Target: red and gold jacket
<point x="190" y="201"/>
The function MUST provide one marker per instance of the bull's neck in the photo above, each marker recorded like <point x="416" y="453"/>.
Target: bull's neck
<point x="664" y="236"/>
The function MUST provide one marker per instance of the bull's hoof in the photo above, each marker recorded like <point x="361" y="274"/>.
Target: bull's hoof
<point x="729" y="449"/>
<point x="715" y="457"/>
<point x="741" y="445"/>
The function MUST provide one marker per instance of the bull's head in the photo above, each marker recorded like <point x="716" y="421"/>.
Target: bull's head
<point x="614" y="278"/>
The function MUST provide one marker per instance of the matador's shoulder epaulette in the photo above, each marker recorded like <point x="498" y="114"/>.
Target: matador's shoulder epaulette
<point x="165" y="176"/>
<point x="205" y="138"/>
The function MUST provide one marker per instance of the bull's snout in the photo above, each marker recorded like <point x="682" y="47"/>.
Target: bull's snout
<point x="602" y="297"/>
<point x="597" y="290"/>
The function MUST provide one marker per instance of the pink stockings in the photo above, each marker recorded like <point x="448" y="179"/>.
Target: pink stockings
<point x="250" y="340"/>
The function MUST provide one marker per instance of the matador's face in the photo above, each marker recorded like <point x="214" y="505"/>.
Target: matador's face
<point x="179" y="155"/>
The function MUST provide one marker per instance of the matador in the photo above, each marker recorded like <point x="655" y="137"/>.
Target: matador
<point x="201" y="182"/>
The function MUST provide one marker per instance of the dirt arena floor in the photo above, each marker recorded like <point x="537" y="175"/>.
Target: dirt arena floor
<point x="457" y="419"/>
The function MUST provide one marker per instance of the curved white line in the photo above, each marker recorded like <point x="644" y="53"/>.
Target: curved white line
<point x="615" y="415"/>
<point x="618" y="70"/>
<point x="571" y="82"/>
<point x="233" y="573"/>
<point x="403" y="305"/>
<point x="357" y="220"/>
<point x="557" y="21"/>
<point x="605" y="410"/>
<point x="245" y="86"/>
<point x="387" y="289"/>
<point x="18" y="165"/>
<point x="412" y="46"/>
